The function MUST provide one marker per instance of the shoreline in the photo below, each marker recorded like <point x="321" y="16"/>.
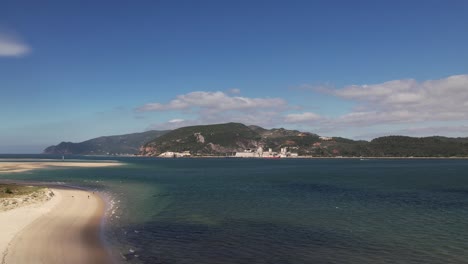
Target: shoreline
<point x="301" y="157"/>
<point x="48" y="163"/>
<point x="12" y="166"/>
<point x="13" y="221"/>
<point x="107" y="206"/>
<point x="41" y="233"/>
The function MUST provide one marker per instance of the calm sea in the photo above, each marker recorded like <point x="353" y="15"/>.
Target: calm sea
<point x="279" y="211"/>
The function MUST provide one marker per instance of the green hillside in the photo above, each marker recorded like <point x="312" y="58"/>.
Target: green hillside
<point x="228" y="138"/>
<point x="401" y="146"/>
<point x="108" y="145"/>
<point x="222" y="139"/>
<point x="209" y="139"/>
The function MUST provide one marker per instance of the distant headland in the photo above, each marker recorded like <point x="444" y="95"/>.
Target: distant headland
<point x="239" y="140"/>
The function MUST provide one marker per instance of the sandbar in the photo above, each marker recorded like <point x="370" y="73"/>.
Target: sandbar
<point x="10" y="166"/>
<point x="65" y="229"/>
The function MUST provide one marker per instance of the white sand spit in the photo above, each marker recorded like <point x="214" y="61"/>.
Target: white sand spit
<point x="8" y="166"/>
<point x="64" y="229"/>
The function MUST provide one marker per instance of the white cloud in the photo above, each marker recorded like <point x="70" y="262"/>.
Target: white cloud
<point x="173" y="124"/>
<point x="406" y="101"/>
<point x="213" y="102"/>
<point x="303" y="117"/>
<point x="11" y="46"/>
<point x="177" y="120"/>
<point x="387" y="107"/>
<point x="218" y="107"/>
<point x="261" y="118"/>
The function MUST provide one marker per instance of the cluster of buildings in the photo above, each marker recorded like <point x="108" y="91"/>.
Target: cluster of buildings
<point x="259" y="153"/>
<point x="248" y="153"/>
<point x="171" y="154"/>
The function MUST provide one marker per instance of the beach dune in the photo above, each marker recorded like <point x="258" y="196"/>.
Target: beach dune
<point x="69" y="232"/>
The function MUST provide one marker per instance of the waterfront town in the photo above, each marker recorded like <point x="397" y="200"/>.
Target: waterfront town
<point x="247" y="153"/>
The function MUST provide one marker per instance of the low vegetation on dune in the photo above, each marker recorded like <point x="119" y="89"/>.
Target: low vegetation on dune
<point x="16" y="195"/>
<point x="12" y="190"/>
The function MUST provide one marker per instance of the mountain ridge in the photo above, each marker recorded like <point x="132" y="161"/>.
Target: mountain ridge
<point x="106" y="145"/>
<point x="228" y="138"/>
<point x="302" y="143"/>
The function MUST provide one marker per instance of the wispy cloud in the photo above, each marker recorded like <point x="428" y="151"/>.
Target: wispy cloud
<point x="218" y="107"/>
<point x="175" y="121"/>
<point x="173" y="124"/>
<point x="302" y="117"/>
<point x="257" y="117"/>
<point x="12" y="46"/>
<point x="392" y="105"/>
<point x="403" y="102"/>
<point x="212" y="101"/>
<point x="385" y="107"/>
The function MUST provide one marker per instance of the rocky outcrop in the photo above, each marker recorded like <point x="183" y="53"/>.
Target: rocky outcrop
<point x="200" y="137"/>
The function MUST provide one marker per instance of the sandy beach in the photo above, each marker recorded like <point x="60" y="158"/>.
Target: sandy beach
<point x="11" y="166"/>
<point x="64" y="229"/>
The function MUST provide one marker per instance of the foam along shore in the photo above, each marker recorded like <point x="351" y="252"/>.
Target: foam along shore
<point x="9" y="166"/>
<point x="65" y="229"/>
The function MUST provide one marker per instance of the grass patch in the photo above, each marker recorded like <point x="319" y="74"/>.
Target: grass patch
<point x="12" y="190"/>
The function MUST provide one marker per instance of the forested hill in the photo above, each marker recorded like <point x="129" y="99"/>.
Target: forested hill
<point x="107" y="145"/>
<point x="203" y="140"/>
<point x="401" y="146"/>
<point x="228" y="138"/>
<point x="225" y="139"/>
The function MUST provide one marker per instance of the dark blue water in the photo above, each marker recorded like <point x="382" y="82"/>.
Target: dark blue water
<point x="281" y="211"/>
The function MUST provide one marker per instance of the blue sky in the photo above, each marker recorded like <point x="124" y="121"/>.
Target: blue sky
<point x="70" y="71"/>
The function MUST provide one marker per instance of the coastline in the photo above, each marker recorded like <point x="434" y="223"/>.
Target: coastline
<point x="304" y="157"/>
<point x="13" y="221"/>
<point x="22" y="166"/>
<point x="65" y="229"/>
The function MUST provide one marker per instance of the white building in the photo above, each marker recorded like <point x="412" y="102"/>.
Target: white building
<point x="171" y="154"/>
<point x="248" y="153"/>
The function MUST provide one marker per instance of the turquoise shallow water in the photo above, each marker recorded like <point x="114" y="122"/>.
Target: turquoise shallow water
<point x="281" y="211"/>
